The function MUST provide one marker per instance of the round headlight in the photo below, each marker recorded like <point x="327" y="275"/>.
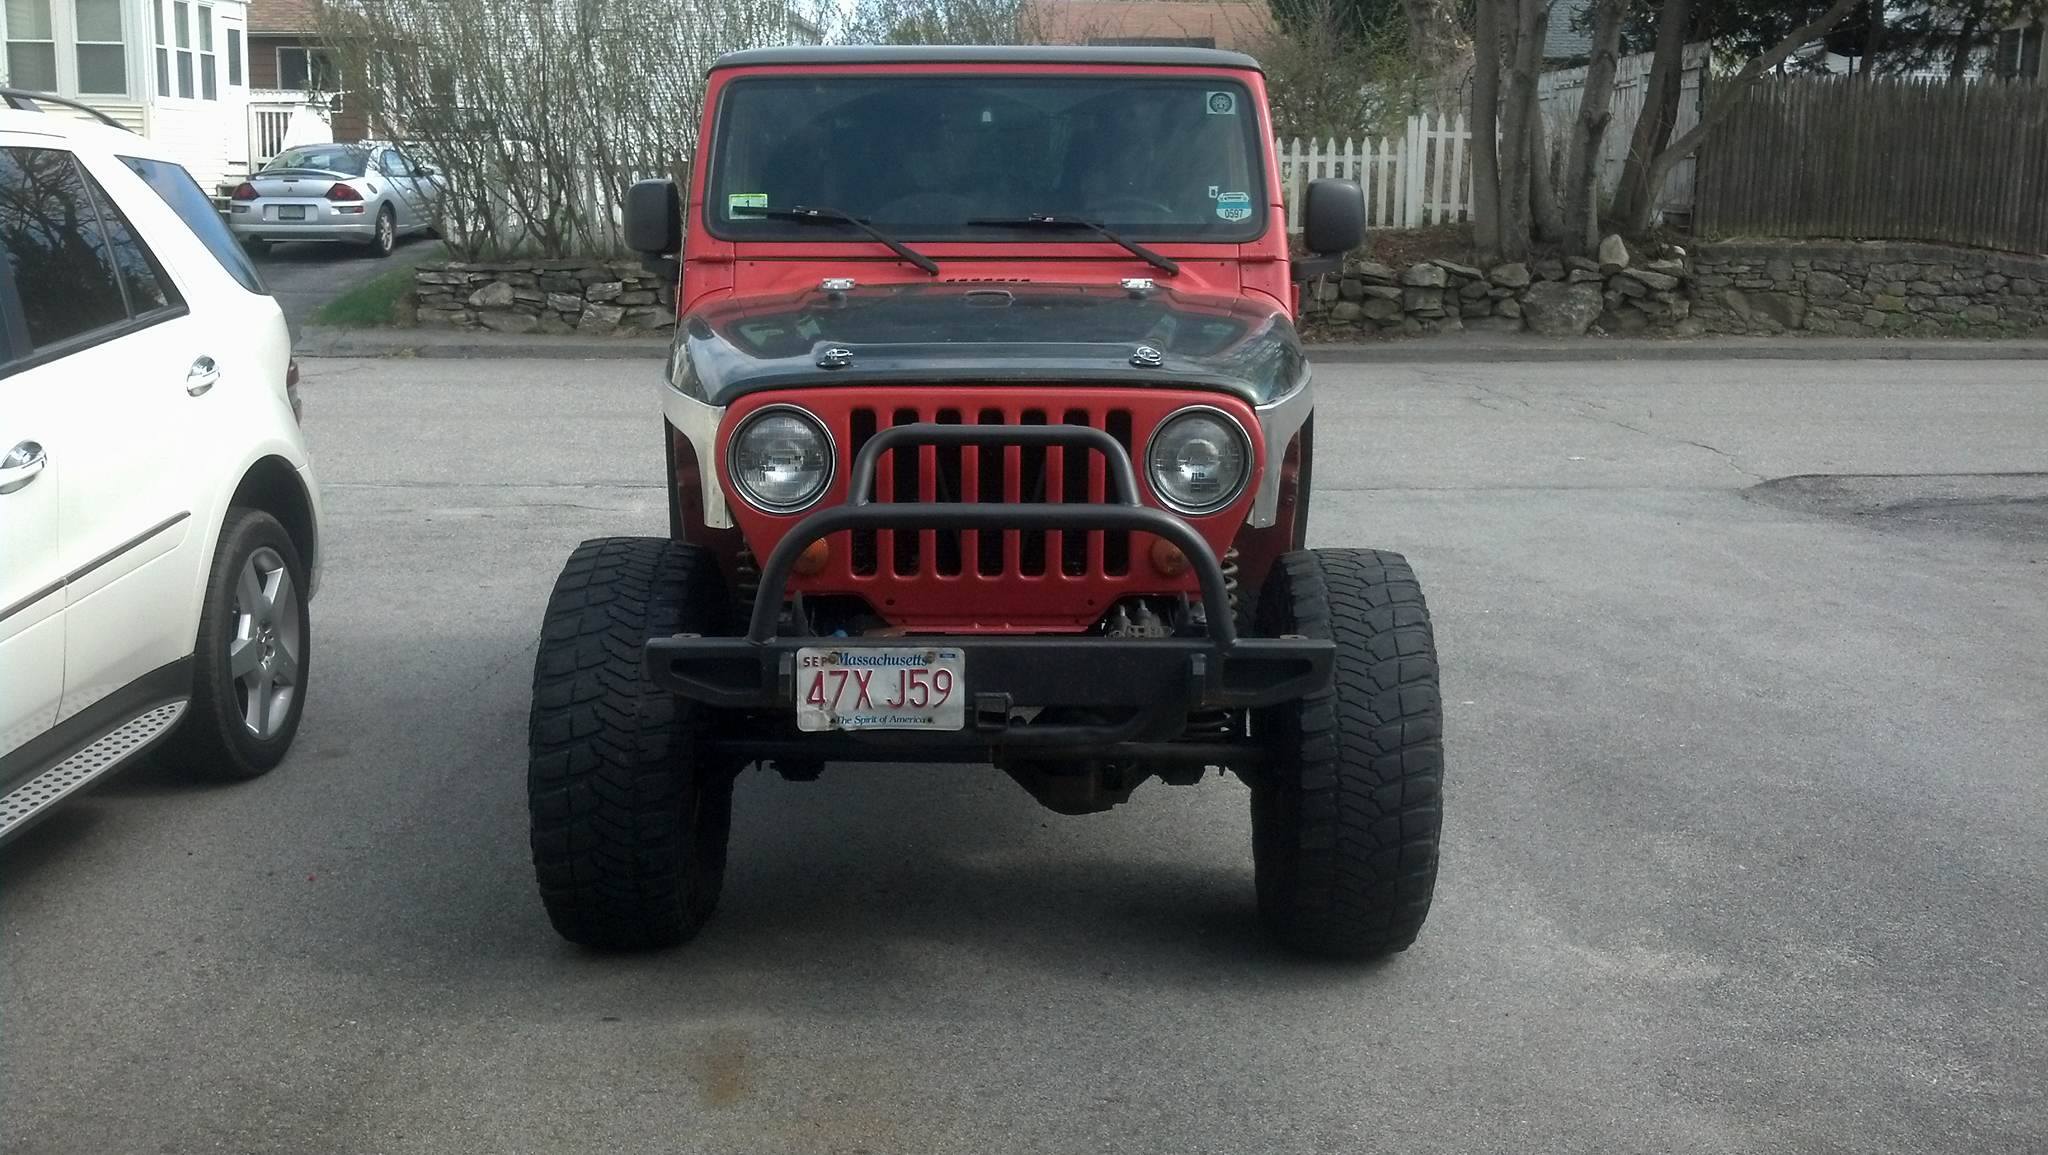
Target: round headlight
<point x="781" y="459"/>
<point x="1198" y="459"/>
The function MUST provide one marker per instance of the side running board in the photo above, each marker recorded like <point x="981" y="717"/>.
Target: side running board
<point x="33" y="798"/>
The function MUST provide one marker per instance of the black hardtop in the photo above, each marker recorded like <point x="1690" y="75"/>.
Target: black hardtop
<point x="814" y="56"/>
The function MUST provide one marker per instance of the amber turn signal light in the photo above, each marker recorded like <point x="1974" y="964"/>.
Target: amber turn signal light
<point x="811" y="561"/>
<point x="1168" y="559"/>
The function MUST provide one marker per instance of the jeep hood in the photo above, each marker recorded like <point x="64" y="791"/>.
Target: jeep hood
<point x="986" y="333"/>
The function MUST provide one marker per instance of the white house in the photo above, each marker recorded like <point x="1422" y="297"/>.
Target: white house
<point x="174" y="70"/>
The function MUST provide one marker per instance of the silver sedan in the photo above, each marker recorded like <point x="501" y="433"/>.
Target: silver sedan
<point x="368" y="194"/>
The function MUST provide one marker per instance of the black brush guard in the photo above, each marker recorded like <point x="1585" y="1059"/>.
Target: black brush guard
<point x="1151" y="684"/>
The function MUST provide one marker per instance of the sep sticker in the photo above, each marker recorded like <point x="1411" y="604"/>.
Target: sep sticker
<point x="1222" y="104"/>
<point x="734" y="202"/>
<point x="1234" y="206"/>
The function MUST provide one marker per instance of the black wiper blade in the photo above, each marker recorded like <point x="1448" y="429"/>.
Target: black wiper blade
<point x="818" y="214"/>
<point x="1049" y="221"/>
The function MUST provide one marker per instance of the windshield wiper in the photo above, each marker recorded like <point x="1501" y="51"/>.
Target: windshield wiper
<point x="818" y="214"/>
<point x="1048" y="221"/>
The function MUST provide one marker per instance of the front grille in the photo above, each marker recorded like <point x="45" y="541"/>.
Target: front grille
<point x="1010" y="474"/>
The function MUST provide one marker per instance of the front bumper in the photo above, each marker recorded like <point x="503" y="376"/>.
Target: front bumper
<point x="1144" y="688"/>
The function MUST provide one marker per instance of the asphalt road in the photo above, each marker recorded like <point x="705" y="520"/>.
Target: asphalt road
<point x="1746" y="849"/>
<point x="304" y="275"/>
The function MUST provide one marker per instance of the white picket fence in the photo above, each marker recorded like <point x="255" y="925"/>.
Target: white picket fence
<point x="1422" y="178"/>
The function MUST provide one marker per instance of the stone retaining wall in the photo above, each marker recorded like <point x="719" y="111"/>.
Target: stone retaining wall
<point x="1846" y="288"/>
<point x="1621" y="292"/>
<point x="596" y="298"/>
<point x="1869" y="289"/>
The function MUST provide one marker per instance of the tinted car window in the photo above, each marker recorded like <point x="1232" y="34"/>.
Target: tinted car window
<point x="394" y="164"/>
<point x="64" y="273"/>
<point x="148" y="288"/>
<point x="323" y="157"/>
<point x="179" y="191"/>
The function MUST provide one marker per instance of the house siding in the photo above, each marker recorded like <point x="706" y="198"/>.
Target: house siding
<point x="349" y="123"/>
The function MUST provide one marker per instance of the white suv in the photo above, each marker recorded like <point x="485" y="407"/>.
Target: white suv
<point x="159" y="523"/>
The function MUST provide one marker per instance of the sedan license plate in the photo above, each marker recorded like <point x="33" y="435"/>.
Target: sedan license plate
<point x="881" y="688"/>
<point x="291" y="212"/>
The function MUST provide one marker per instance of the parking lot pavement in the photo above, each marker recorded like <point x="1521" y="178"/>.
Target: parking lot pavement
<point x="304" y="275"/>
<point x="1746" y="846"/>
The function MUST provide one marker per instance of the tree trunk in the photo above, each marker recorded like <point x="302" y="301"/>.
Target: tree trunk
<point x="1729" y="91"/>
<point x="1636" y="198"/>
<point x="1581" y="232"/>
<point x="1485" y="127"/>
<point x="1539" y="195"/>
<point x="1517" y="149"/>
<point x="1548" y="210"/>
<point x="1873" y="38"/>
<point x="1966" y="39"/>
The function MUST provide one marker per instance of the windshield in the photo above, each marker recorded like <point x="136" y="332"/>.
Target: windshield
<point x="941" y="157"/>
<point x="323" y="157"/>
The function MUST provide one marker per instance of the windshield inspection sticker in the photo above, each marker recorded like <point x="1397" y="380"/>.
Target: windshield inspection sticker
<point x="1222" y="104"/>
<point x="737" y="201"/>
<point x="1234" y="206"/>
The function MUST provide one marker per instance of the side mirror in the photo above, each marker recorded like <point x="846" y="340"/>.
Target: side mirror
<point x="654" y="218"/>
<point x="1332" y="223"/>
<point x="426" y="170"/>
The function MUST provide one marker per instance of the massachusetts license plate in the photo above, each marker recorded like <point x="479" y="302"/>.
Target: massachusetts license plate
<point x="291" y="212"/>
<point x="881" y="688"/>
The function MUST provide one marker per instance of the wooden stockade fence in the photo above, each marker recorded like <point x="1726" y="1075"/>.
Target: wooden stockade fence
<point x="1885" y="159"/>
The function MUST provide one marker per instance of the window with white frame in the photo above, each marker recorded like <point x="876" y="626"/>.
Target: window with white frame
<point x="163" y="48"/>
<point x="208" y="83"/>
<point x="31" y="45"/>
<point x="181" y="40"/>
<point x="102" y="55"/>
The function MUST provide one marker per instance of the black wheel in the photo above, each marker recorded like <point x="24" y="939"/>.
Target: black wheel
<point x="1345" y="821"/>
<point x="385" y="238"/>
<point x="250" y="660"/>
<point x="629" y="817"/>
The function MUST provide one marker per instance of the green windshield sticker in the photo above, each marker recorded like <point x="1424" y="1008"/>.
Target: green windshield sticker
<point x="1222" y="104"/>
<point x="736" y="201"/>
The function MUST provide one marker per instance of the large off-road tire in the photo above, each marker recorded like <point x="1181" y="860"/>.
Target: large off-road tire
<point x="251" y="657"/>
<point x="1345" y="819"/>
<point x="629" y="815"/>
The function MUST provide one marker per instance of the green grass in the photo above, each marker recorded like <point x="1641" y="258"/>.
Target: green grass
<point x="370" y="304"/>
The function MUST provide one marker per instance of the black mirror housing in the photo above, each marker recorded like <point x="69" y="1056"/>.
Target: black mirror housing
<point x="654" y="217"/>
<point x="1333" y="217"/>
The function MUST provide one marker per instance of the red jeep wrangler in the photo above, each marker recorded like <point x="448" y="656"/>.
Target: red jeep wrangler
<point x="989" y="441"/>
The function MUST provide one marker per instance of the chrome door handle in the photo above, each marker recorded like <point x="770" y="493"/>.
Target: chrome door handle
<point x="202" y="376"/>
<point x="21" y="465"/>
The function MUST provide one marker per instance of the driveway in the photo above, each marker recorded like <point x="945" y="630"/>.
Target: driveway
<point x="304" y="275"/>
<point x="1746" y="847"/>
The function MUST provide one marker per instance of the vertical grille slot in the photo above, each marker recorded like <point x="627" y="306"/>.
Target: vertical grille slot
<point x="1116" y="546"/>
<point x="904" y="470"/>
<point x="989" y="548"/>
<point x="864" y="562"/>
<point x="1076" y="549"/>
<point x="950" y="486"/>
<point x="1034" y="489"/>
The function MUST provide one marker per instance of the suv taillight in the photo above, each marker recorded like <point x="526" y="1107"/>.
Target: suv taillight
<point x="244" y="192"/>
<point x="342" y="192"/>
